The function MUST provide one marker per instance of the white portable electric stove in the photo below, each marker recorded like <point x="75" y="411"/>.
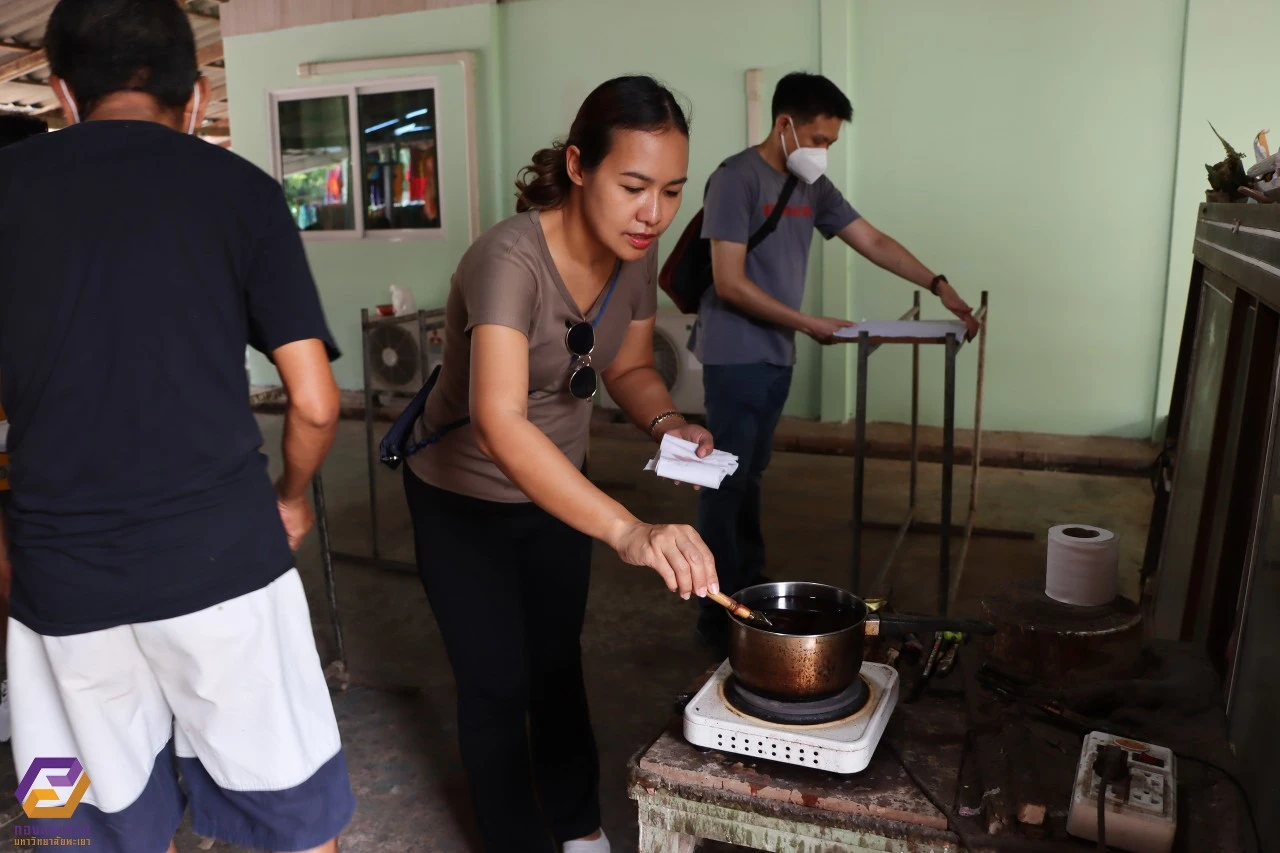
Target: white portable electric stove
<point x="839" y="734"/>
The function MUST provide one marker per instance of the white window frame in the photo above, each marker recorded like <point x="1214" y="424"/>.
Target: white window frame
<point x="351" y="92"/>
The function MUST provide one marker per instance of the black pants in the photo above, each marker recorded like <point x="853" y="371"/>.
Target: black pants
<point x="508" y="586"/>
<point x="744" y="404"/>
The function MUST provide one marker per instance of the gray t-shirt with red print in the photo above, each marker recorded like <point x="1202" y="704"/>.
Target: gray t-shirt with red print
<point x="741" y="195"/>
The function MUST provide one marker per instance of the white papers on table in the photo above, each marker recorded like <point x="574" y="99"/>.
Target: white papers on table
<point x="908" y="329"/>
<point x="4" y="436"/>
<point x="678" y="460"/>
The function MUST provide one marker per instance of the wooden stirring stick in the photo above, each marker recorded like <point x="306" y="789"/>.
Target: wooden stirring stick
<point x="739" y="610"/>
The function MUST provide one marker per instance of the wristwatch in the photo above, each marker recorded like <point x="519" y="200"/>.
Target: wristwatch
<point x="933" y="285"/>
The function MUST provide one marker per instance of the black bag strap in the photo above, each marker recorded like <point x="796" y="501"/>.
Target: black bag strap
<point x="775" y="215"/>
<point x="395" y="445"/>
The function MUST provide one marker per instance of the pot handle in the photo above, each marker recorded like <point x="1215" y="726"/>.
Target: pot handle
<point x="896" y="624"/>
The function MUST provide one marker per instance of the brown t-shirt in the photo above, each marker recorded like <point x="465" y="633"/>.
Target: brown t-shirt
<point x="507" y="278"/>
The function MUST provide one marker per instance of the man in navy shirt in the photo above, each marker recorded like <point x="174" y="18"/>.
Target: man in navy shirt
<point x="747" y="324"/>
<point x="155" y="608"/>
<point x="14" y="127"/>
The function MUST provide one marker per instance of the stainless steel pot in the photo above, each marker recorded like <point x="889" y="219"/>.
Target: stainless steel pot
<point x="822" y="661"/>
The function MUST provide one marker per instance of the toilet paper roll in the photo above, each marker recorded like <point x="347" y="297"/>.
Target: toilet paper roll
<point x="1083" y="565"/>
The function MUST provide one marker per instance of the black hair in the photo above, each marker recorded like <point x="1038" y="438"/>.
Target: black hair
<point x="100" y="47"/>
<point x="623" y="103"/>
<point x="805" y="97"/>
<point x="15" y="127"/>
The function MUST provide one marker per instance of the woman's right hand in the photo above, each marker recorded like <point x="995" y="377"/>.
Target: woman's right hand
<point x="674" y="551"/>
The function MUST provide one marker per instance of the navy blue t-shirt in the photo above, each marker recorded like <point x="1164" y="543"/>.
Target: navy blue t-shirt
<point x="138" y="263"/>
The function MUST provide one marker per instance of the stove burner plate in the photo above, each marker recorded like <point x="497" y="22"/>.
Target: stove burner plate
<point x="806" y="713"/>
<point x="845" y="745"/>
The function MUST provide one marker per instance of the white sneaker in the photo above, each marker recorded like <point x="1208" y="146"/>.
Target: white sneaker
<point x="599" y="845"/>
<point x="4" y="711"/>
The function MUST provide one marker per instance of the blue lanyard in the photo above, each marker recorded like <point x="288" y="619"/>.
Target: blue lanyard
<point x="604" y="306"/>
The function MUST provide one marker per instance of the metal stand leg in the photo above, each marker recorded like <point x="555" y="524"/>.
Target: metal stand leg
<point x="368" y="445"/>
<point x="915" y="411"/>
<point x="976" y="461"/>
<point x="859" y="459"/>
<point x="948" y="458"/>
<point x="881" y="588"/>
<point x="336" y="673"/>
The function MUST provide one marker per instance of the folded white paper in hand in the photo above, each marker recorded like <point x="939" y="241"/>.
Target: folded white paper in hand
<point x="678" y="460"/>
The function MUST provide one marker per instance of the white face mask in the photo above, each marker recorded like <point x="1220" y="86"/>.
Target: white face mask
<point x="807" y="164"/>
<point x="71" y="102"/>
<point x="195" y="109"/>
<point x="191" y="122"/>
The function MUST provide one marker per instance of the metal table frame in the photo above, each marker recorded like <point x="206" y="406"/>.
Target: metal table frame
<point x="426" y="321"/>
<point x="337" y="672"/>
<point x="948" y="581"/>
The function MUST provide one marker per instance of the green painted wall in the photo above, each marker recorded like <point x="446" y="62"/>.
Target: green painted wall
<point x="1026" y="148"/>
<point x="1234" y="87"/>
<point x="355" y="274"/>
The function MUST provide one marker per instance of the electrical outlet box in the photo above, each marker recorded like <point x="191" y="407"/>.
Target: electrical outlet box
<point x="1141" y="816"/>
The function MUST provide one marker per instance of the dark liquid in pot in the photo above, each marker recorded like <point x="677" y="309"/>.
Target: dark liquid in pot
<point x="807" y="615"/>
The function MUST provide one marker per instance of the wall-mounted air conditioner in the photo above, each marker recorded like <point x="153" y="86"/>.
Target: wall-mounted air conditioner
<point x="680" y="370"/>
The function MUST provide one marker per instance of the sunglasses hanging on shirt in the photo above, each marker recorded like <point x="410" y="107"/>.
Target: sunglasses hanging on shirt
<point x="580" y="340"/>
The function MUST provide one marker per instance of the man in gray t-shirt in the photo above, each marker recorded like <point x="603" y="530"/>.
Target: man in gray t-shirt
<point x="746" y="327"/>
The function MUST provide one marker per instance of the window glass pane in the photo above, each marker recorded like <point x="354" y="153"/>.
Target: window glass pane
<point x="315" y="162"/>
<point x="1191" y="471"/>
<point x="398" y="130"/>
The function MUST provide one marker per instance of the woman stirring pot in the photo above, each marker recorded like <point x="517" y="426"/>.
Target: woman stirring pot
<point x="542" y="307"/>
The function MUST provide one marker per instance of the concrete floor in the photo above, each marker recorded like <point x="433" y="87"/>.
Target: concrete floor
<point x="640" y="650"/>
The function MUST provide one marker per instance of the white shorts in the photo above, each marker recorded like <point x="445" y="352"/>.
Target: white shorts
<point x="231" y="699"/>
